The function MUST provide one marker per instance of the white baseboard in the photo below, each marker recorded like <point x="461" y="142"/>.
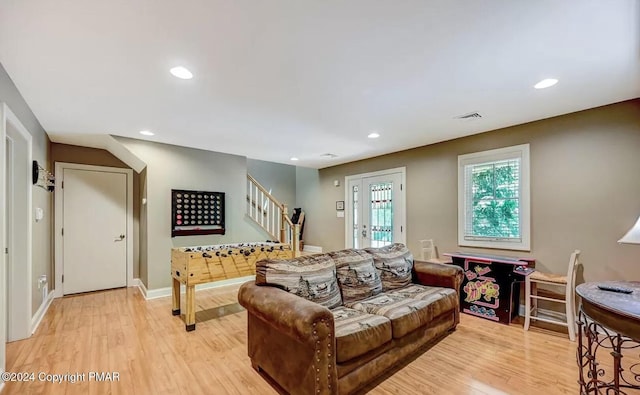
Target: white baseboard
<point x="37" y="318"/>
<point x="164" y="292"/>
<point x="314" y="249"/>
<point x="138" y="283"/>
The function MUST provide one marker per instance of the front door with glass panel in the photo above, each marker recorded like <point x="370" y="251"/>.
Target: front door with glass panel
<point x="375" y="208"/>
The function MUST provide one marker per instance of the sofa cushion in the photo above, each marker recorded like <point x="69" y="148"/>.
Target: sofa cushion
<point x="357" y="276"/>
<point x="441" y="300"/>
<point x="406" y="314"/>
<point x="312" y="277"/>
<point x="394" y="263"/>
<point x="358" y="333"/>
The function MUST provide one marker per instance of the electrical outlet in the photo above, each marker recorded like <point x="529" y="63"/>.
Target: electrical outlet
<point x="42" y="280"/>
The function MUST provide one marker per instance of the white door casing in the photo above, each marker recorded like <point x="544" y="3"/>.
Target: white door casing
<point x="19" y="286"/>
<point x="375" y="206"/>
<point x="3" y="218"/>
<point x="8" y="231"/>
<point x="95" y="209"/>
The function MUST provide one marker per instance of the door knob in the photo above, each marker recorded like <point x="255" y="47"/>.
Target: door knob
<point x="120" y="238"/>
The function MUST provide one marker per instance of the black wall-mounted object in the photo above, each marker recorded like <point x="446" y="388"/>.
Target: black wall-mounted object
<point x="41" y="177"/>
<point x="197" y="213"/>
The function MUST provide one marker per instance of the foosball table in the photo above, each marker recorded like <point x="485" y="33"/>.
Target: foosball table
<point x="191" y="266"/>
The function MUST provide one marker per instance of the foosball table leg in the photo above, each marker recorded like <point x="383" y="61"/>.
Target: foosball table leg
<point x="175" y="294"/>
<point x="190" y="317"/>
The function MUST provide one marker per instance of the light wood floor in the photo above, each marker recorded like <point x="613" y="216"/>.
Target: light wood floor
<point x="119" y="331"/>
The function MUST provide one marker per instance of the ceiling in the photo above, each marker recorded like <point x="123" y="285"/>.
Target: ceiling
<point x="300" y="78"/>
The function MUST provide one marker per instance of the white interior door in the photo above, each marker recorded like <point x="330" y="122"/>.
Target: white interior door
<point x="375" y="209"/>
<point x="94" y="230"/>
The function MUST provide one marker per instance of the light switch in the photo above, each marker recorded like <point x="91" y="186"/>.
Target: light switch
<point x="340" y="214"/>
<point x="39" y="214"/>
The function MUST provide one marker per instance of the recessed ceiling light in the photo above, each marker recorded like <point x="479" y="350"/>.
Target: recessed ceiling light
<point x="294" y="158"/>
<point x="146" y="133"/>
<point x="546" y="83"/>
<point x="373" y="135"/>
<point x="181" y="72"/>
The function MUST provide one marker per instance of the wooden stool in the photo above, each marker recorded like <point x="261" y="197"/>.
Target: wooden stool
<point x="568" y="298"/>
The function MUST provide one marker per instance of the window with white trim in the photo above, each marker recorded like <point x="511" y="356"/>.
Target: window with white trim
<point x="493" y="199"/>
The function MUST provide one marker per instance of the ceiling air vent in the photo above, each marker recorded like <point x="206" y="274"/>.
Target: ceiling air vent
<point x="471" y="115"/>
<point x="329" y="156"/>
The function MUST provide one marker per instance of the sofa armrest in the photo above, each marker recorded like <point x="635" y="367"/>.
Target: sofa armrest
<point x="291" y="339"/>
<point x="438" y="274"/>
<point x="297" y="317"/>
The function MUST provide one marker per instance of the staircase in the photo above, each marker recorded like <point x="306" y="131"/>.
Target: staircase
<point x="271" y="215"/>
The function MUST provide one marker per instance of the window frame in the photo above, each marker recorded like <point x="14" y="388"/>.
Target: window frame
<point x="495" y="155"/>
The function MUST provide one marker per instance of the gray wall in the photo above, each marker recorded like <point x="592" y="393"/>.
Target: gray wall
<point x="99" y="157"/>
<point x="585" y="192"/>
<point x="172" y="167"/>
<point x="42" y="262"/>
<point x="307" y="188"/>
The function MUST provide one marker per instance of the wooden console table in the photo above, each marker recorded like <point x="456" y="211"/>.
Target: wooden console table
<point x="491" y="284"/>
<point x="609" y="321"/>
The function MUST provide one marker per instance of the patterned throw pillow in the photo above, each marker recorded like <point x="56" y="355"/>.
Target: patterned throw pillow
<point x="311" y="277"/>
<point x="395" y="263"/>
<point x="357" y="277"/>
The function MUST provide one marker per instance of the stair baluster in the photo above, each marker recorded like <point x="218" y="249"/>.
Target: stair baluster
<point x="263" y="207"/>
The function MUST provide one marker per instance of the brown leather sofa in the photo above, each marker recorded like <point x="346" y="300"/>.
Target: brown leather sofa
<point x="307" y="348"/>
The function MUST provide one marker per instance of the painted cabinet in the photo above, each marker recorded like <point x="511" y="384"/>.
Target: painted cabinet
<point x="491" y="285"/>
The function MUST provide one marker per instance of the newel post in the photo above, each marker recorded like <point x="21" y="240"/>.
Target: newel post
<point x="283" y="222"/>
<point x="296" y="240"/>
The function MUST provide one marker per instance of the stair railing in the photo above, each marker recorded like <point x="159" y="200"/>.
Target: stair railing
<point x="271" y="215"/>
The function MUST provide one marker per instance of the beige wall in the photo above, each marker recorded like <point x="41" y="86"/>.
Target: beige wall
<point x="42" y="261"/>
<point x="99" y="157"/>
<point x="585" y="192"/>
<point x="172" y="167"/>
<point x="84" y="155"/>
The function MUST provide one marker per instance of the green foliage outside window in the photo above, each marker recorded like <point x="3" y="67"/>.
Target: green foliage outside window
<point x="495" y="207"/>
